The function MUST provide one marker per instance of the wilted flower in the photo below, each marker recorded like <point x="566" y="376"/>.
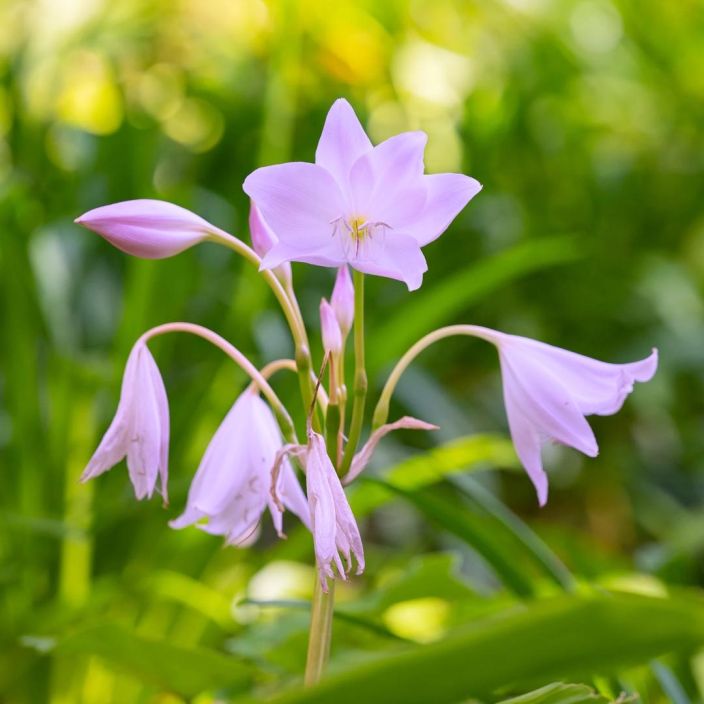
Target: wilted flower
<point x="361" y="459"/>
<point x="548" y="391"/>
<point x="342" y="299"/>
<point x="371" y="207"/>
<point x="263" y="239"/>
<point x="333" y="524"/>
<point x="232" y="485"/>
<point x="140" y="428"/>
<point x="152" y="229"/>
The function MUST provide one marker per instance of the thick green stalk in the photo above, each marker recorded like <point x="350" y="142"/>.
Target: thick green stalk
<point x="359" y="392"/>
<point x="320" y="632"/>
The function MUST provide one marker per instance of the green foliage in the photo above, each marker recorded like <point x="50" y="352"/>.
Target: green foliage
<point x="580" y="117"/>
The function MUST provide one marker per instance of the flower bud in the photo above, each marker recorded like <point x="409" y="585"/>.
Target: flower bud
<point x="263" y="239"/>
<point x="332" y="337"/>
<point x="342" y="299"/>
<point x="152" y="229"/>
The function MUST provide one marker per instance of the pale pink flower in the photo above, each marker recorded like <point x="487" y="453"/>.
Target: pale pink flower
<point x="231" y="488"/>
<point x="370" y="207"/>
<point x="140" y="428"/>
<point x="333" y="524"/>
<point x="548" y="392"/>
<point x="152" y="229"/>
<point x="330" y="329"/>
<point x="342" y="299"/>
<point x="263" y="239"/>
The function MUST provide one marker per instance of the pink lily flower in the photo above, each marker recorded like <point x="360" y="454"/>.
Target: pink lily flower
<point x="548" y="391"/>
<point x="231" y="487"/>
<point x="152" y="229"/>
<point x="370" y="207"/>
<point x="140" y="428"/>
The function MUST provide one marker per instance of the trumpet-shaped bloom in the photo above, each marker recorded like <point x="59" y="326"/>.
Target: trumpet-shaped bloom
<point x="548" y="391"/>
<point x="231" y="488"/>
<point x="263" y="239"/>
<point x="140" y="428"/>
<point x="152" y="229"/>
<point x="371" y="207"/>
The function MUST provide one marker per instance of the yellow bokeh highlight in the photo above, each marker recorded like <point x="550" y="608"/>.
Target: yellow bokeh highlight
<point x="421" y="620"/>
<point x="89" y="98"/>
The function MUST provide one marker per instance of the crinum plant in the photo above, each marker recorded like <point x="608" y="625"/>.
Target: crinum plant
<point x="371" y="209"/>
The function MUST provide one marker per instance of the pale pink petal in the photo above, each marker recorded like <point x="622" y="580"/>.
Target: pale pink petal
<point x="380" y="179"/>
<point x="263" y="239"/>
<point x="540" y="396"/>
<point x="597" y="387"/>
<point x="390" y="254"/>
<point x="322" y="505"/>
<point x="144" y="449"/>
<point x="162" y="404"/>
<point x="446" y="196"/>
<point x="348" y="537"/>
<point x="151" y="229"/>
<point x="528" y="444"/>
<point x="293" y="497"/>
<point x="299" y="201"/>
<point x="328" y="254"/>
<point x="342" y="141"/>
<point x="361" y="459"/>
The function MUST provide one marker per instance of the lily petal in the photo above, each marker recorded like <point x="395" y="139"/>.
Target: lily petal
<point x="446" y="196"/>
<point x="299" y="201"/>
<point x="152" y="229"/>
<point x="342" y="142"/>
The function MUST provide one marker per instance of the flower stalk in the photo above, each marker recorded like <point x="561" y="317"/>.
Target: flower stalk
<point x="359" y="391"/>
<point x="320" y="636"/>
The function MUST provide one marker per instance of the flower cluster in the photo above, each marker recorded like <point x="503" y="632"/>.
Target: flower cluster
<point x="370" y="208"/>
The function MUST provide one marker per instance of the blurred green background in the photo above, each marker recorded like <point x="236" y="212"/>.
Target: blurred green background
<point x="582" y="119"/>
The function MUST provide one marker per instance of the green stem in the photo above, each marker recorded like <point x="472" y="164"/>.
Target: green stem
<point x="360" y="375"/>
<point x="320" y="632"/>
<point x="381" y="412"/>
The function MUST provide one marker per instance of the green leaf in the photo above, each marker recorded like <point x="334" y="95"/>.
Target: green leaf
<point x="437" y="306"/>
<point x="559" y="693"/>
<point x="184" y="671"/>
<point x="465" y="454"/>
<point x="470" y="528"/>
<point x="571" y="636"/>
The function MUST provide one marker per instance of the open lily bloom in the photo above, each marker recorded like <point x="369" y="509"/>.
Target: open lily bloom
<point x="140" y="428"/>
<point x="151" y="229"/>
<point x="548" y="391"/>
<point x="231" y="488"/>
<point x="371" y="207"/>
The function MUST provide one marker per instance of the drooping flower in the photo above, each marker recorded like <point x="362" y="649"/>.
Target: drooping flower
<point x="231" y="488"/>
<point x="263" y="239"/>
<point x="140" y="428"/>
<point x="333" y="524"/>
<point x="370" y="207"/>
<point x="330" y="329"/>
<point x="342" y="299"/>
<point x="548" y="391"/>
<point x="152" y="229"/>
